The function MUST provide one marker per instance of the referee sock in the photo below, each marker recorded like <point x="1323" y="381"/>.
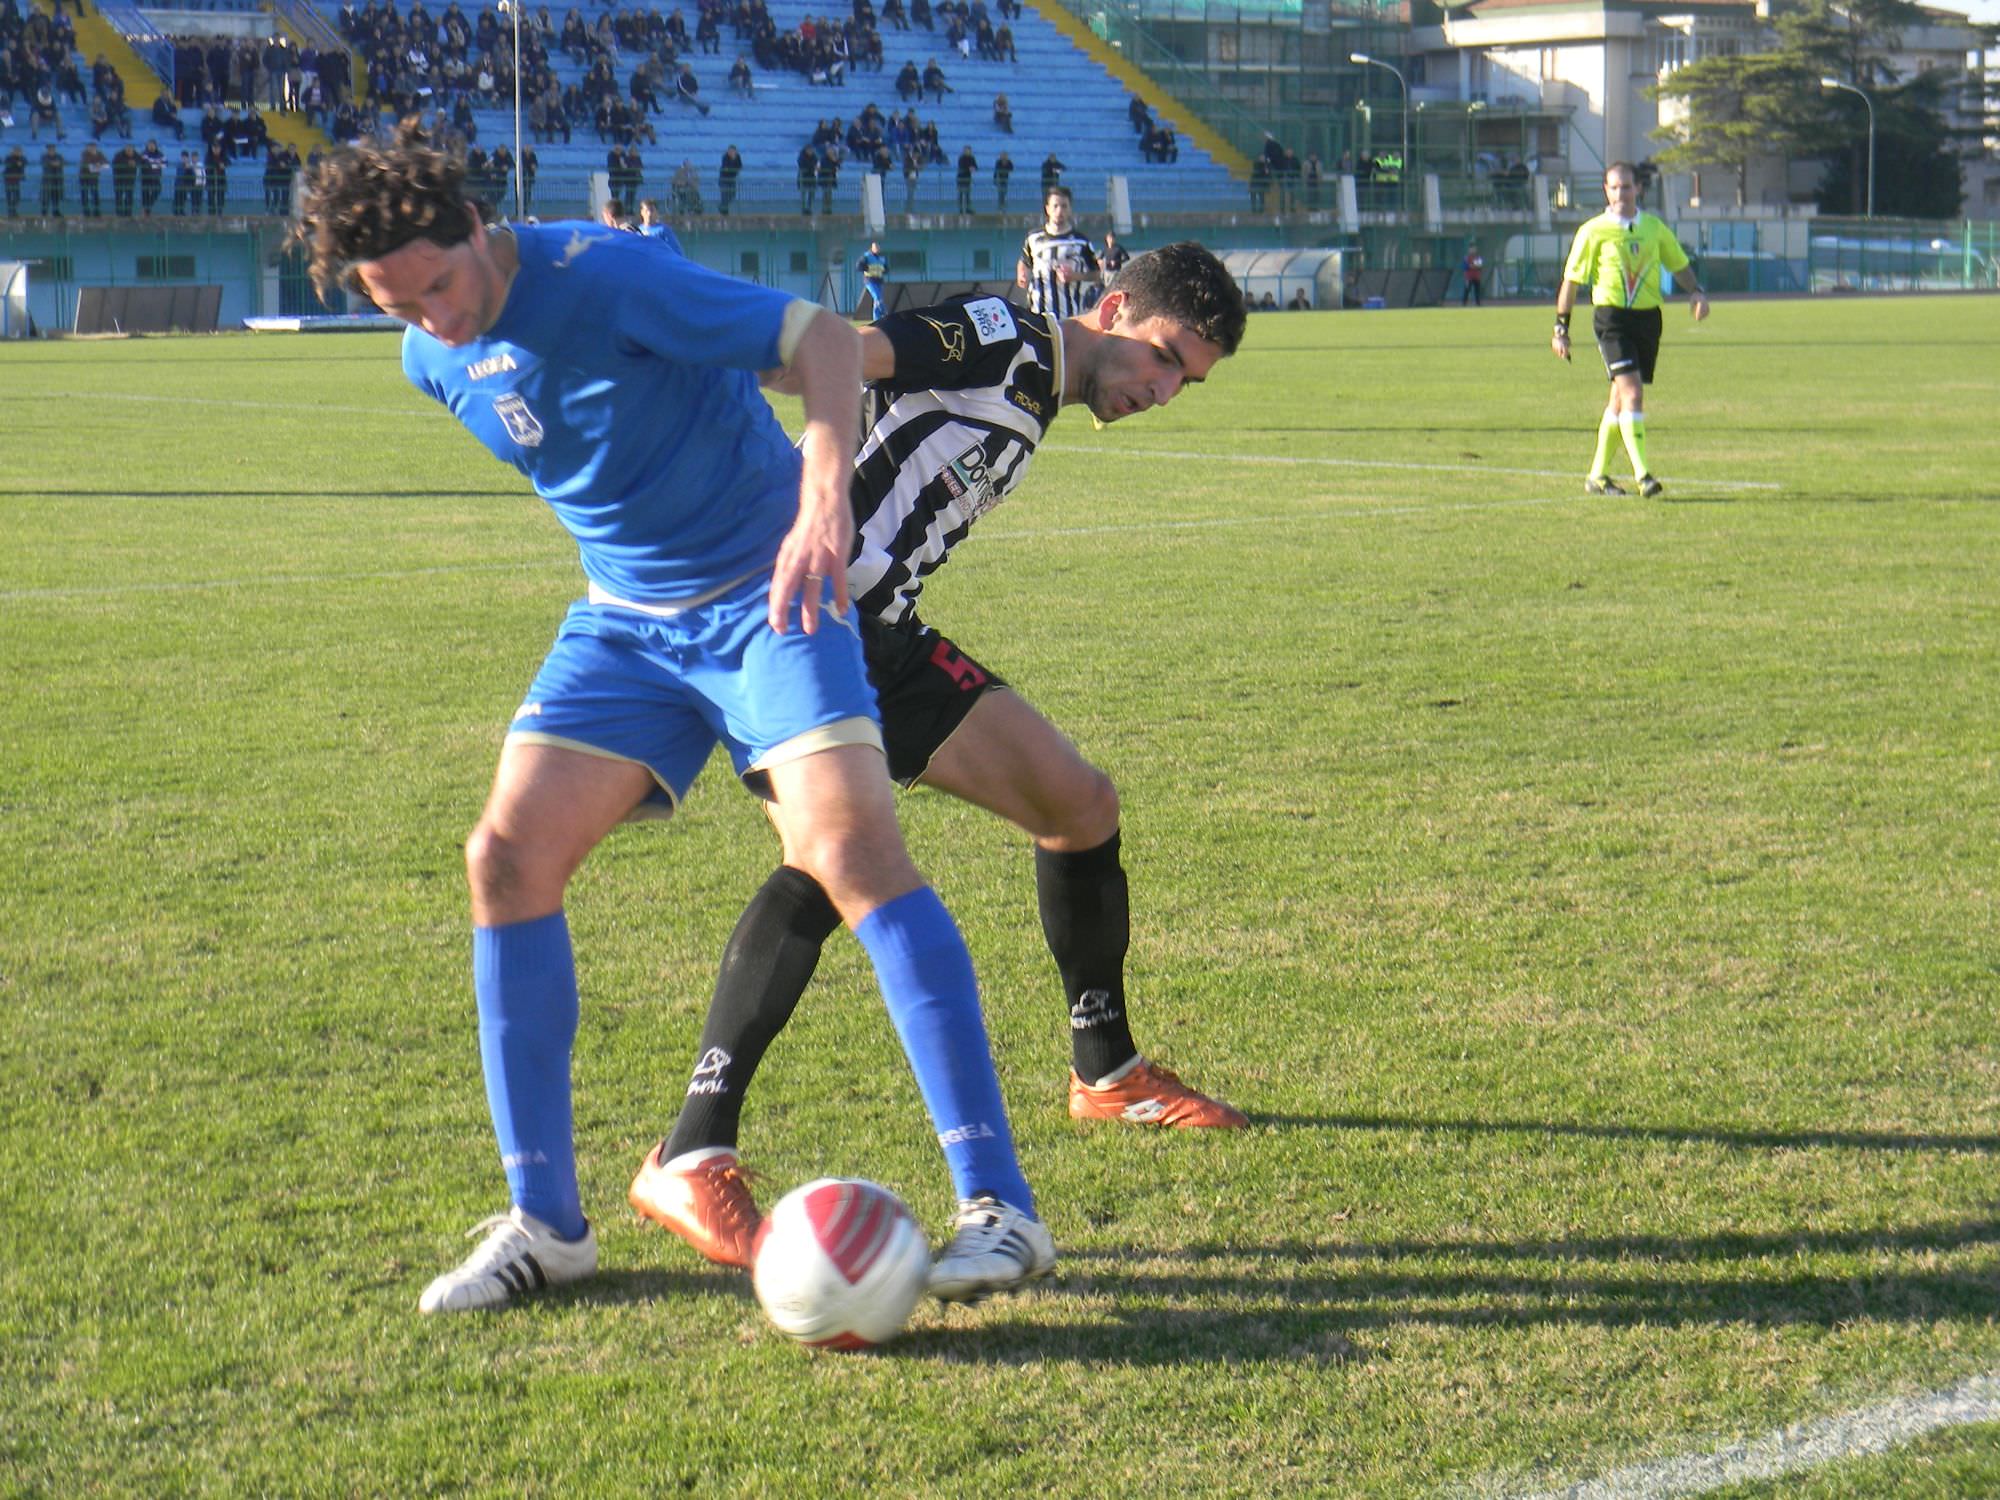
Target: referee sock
<point x="1632" y="427"/>
<point x="926" y="978"/>
<point x="1607" y="428"/>
<point x="765" y="969"/>
<point x="524" y="979"/>
<point x="1086" y="918"/>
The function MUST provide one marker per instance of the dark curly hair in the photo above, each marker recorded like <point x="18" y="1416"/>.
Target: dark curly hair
<point x="1185" y="282"/>
<point x="366" y="200"/>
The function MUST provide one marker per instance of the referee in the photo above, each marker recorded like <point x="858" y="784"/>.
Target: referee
<point x="1057" y="260"/>
<point x="1619" y="255"/>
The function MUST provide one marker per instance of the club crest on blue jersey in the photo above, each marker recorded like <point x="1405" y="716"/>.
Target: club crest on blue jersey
<point x="522" y="425"/>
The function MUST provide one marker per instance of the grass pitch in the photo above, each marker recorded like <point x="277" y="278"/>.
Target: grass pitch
<point x="1592" y="901"/>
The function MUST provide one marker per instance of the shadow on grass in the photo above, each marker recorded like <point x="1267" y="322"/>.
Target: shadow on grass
<point x="1331" y="1304"/>
<point x="1857" y="1140"/>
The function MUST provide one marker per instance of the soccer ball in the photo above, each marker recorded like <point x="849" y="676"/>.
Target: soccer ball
<point x="840" y="1264"/>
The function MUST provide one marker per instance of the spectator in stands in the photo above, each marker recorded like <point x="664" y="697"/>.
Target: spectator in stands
<point x="913" y="171"/>
<point x="641" y="88"/>
<point x="829" y="178"/>
<point x="1003" y="114"/>
<point x="186" y="189"/>
<point x="1003" y="44"/>
<point x="707" y="33"/>
<point x="152" y="176"/>
<point x="920" y="14"/>
<point x="1300" y="302"/>
<point x="687" y="189"/>
<point x="69" y="82"/>
<point x="741" y="80"/>
<point x="528" y="166"/>
<point x="166" y="117"/>
<point x="125" y="181"/>
<point x="635" y="179"/>
<point x="967" y="165"/>
<point x="892" y="12"/>
<point x="216" y="168"/>
<point x="909" y="83"/>
<point x="726" y="175"/>
<point x="1267" y="303"/>
<point x="687" y="88"/>
<point x="499" y="174"/>
<point x="1052" y="170"/>
<point x="279" y="165"/>
<point x="808" y="177"/>
<point x="1311" y="177"/>
<point x="1111" y="260"/>
<point x="1140" y="116"/>
<point x="42" y="111"/>
<point x="12" y="175"/>
<point x="1260" y="183"/>
<point x="276" y="60"/>
<point x="52" y="182"/>
<point x="934" y="80"/>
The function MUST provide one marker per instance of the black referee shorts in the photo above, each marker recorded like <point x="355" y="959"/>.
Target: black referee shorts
<point x="924" y="687"/>
<point x="1629" y="340"/>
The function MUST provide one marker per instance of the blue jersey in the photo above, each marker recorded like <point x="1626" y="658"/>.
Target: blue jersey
<point x="619" y="377"/>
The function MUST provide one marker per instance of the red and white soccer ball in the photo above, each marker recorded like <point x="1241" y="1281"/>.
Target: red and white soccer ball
<point x="840" y="1264"/>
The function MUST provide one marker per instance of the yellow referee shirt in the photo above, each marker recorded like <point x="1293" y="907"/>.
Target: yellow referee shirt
<point x="1621" y="262"/>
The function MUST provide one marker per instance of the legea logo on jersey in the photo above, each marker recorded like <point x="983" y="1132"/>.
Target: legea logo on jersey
<point x="499" y="364"/>
<point x="992" y="321"/>
<point x="522" y="425"/>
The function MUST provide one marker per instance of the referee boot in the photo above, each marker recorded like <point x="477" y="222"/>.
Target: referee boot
<point x="1601" y="484"/>
<point x="1650" y="488"/>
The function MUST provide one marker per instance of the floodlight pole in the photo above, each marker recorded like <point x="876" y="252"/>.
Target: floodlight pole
<point x="513" y="8"/>
<point x="1402" y="199"/>
<point x="1835" y="83"/>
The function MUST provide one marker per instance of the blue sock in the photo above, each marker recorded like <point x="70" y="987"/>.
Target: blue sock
<point x="926" y="979"/>
<point x="524" y="979"/>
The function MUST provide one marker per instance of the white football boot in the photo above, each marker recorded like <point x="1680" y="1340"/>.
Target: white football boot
<point x="994" y="1248"/>
<point x="520" y="1254"/>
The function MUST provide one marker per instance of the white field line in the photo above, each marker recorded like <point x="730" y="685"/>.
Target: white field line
<point x="1789" y="1450"/>
<point x="9" y="596"/>
<point x="1095" y="449"/>
<point x="1304" y="461"/>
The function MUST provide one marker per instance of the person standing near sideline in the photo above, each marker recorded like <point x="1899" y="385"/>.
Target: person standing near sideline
<point x="1473" y="269"/>
<point x="622" y="380"/>
<point x="1619" y="255"/>
<point x="874" y="267"/>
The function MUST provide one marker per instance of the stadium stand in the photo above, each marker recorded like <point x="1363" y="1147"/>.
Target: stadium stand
<point x="1064" y="104"/>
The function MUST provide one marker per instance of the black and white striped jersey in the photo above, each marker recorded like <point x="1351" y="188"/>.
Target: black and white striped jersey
<point x="949" y="436"/>
<point x="1043" y="252"/>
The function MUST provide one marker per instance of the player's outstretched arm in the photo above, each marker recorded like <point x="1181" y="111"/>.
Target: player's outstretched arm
<point x="826" y="362"/>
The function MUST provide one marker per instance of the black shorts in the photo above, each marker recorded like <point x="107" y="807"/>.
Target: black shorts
<point x="1629" y="340"/>
<point x="924" y="687"/>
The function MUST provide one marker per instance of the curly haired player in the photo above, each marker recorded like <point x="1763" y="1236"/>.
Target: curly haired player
<point x="621" y="379"/>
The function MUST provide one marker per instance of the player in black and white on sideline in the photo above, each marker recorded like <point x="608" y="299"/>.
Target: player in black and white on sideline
<point x="1058" y="263"/>
<point x="961" y="395"/>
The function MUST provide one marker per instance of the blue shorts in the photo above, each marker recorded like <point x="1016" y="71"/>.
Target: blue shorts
<point x="662" y="692"/>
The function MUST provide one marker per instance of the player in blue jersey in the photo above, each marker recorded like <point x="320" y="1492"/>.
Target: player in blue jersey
<point x="622" y="380"/>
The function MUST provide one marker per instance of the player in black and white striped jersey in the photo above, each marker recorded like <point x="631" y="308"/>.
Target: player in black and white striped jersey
<point x="961" y="396"/>
<point x="1058" y="263"/>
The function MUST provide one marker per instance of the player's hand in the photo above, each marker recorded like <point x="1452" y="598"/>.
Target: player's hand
<point x="814" y="552"/>
<point x="1698" y="305"/>
<point x="1559" y="346"/>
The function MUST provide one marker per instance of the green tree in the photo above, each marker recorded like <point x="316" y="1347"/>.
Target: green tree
<point x="1917" y="172"/>
<point x="1738" y="108"/>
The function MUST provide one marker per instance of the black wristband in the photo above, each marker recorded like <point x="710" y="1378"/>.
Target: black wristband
<point x="1562" y="324"/>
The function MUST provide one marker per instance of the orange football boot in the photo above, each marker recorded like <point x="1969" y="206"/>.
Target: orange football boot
<point x="1151" y="1095"/>
<point x="709" y="1205"/>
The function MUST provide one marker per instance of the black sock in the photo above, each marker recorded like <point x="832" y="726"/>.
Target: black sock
<point x="1088" y="924"/>
<point x="770" y="959"/>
